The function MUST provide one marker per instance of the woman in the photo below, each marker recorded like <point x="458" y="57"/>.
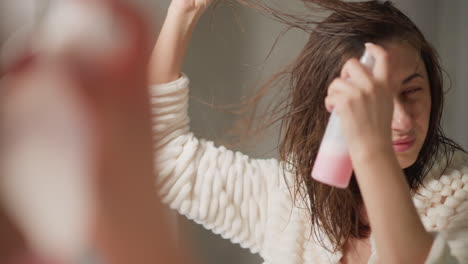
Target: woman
<point x="408" y="201"/>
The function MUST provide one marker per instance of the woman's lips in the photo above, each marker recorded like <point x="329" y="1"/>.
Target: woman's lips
<point x="404" y="144"/>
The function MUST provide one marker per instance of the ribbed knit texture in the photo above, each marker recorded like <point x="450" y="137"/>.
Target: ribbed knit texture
<point x="246" y="200"/>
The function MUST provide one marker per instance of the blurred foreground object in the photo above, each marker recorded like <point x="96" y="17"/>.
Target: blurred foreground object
<point x="46" y="150"/>
<point x="61" y="139"/>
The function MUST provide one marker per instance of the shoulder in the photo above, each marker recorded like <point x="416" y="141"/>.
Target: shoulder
<point x="444" y="174"/>
<point x="444" y="193"/>
<point x="455" y="174"/>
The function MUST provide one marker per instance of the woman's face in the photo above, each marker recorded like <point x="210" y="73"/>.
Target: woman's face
<point x="412" y="101"/>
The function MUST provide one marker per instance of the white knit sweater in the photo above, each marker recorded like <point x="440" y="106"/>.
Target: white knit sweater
<point x="246" y="200"/>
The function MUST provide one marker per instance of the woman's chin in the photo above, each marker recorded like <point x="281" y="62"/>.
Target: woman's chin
<point x="406" y="159"/>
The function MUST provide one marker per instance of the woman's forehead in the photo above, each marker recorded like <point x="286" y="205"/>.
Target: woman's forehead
<point x="404" y="61"/>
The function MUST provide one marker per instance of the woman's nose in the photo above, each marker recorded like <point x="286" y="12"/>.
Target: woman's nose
<point x="402" y="121"/>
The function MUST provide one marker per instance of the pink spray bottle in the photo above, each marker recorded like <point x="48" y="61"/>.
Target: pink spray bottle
<point x="333" y="164"/>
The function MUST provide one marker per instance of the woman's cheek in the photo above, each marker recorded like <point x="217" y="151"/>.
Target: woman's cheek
<point x="422" y="116"/>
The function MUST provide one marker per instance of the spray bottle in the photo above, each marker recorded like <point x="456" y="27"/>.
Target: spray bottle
<point x="333" y="164"/>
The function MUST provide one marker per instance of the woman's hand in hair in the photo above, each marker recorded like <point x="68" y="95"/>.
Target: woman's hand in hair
<point x="363" y="101"/>
<point x="190" y="5"/>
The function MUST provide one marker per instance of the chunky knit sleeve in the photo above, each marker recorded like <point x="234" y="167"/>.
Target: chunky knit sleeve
<point x="451" y="246"/>
<point x="450" y="219"/>
<point x="225" y="191"/>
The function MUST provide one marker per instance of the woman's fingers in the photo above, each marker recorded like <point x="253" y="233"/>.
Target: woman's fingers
<point x="358" y="74"/>
<point x="356" y="80"/>
<point x="190" y="5"/>
<point x="336" y="89"/>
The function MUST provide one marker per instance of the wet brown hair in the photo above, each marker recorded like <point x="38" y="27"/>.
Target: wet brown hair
<point x="336" y="212"/>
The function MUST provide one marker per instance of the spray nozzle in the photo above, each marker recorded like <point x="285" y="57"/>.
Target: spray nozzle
<point x="367" y="60"/>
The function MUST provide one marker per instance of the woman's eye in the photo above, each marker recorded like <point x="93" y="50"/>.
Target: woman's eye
<point x="411" y="91"/>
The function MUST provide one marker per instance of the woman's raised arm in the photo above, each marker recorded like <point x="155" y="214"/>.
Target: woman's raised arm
<point x="171" y="46"/>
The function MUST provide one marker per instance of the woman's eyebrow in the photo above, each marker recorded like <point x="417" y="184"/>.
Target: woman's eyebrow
<point x="411" y="77"/>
